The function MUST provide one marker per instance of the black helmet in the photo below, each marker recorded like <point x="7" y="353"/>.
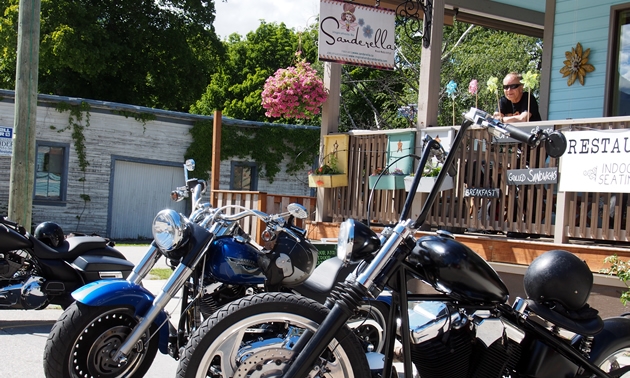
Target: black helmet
<point x="559" y="276"/>
<point x="293" y="261"/>
<point x="49" y="233"/>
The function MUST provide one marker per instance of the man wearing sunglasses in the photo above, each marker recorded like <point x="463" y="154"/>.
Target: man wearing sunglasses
<point x="513" y="104"/>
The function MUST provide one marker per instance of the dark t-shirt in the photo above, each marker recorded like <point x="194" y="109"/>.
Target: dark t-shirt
<point x="510" y="108"/>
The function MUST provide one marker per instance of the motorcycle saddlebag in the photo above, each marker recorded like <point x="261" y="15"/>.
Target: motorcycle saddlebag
<point x="94" y="267"/>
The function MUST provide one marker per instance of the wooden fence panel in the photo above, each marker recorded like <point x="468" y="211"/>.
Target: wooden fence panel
<point x="483" y="163"/>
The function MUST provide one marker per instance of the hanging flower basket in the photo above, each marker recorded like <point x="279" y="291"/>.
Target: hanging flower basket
<point x="387" y="182"/>
<point x="426" y="183"/>
<point x="294" y="92"/>
<point x="328" y="181"/>
<point x="328" y="174"/>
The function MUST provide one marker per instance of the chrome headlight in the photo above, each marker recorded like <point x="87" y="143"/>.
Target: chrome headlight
<point x="356" y="241"/>
<point x="169" y="230"/>
<point x="345" y="240"/>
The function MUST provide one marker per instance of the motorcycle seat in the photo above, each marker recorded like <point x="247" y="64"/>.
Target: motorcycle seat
<point x="321" y="282"/>
<point x="69" y="249"/>
<point x="585" y="321"/>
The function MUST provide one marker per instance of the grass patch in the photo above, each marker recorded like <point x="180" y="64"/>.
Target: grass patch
<point x="133" y="242"/>
<point x="160" y="273"/>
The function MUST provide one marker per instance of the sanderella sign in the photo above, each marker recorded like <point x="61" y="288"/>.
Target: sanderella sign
<point x="356" y="34"/>
<point x="596" y="161"/>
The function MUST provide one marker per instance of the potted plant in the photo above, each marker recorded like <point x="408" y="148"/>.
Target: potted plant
<point x="387" y="180"/>
<point x="327" y="175"/>
<point x="294" y="92"/>
<point x="428" y="180"/>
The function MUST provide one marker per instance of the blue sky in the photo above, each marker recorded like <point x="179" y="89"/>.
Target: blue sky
<point x="243" y="16"/>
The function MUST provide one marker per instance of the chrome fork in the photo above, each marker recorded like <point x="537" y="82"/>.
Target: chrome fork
<point x="175" y="282"/>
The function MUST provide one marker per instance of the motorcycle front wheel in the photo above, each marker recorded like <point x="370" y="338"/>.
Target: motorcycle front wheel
<point x="84" y="340"/>
<point x="253" y="336"/>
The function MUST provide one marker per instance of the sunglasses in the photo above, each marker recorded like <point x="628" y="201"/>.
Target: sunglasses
<point x="511" y="86"/>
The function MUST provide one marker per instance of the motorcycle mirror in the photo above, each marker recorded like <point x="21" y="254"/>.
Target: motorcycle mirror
<point x="555" y="144"/>
<point x="297" y="210"/>
<point x="190" y="165"/>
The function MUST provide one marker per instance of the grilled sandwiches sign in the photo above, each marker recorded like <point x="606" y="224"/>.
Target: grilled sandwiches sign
<point x="596" y="161"/>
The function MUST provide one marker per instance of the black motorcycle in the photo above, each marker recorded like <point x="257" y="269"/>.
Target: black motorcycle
<point x="466" y="329"/>
<point x="44" y="268"/>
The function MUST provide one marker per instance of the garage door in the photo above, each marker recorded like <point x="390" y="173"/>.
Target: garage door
<point x="140" y="191"/>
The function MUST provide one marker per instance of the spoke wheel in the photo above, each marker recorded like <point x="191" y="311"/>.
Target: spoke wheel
<point x="85" y="339"/>
<point x="253" y="337"/>
<point x="370" y="325"/>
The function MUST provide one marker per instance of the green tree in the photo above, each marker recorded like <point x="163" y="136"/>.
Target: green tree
<point x="236" y="90"/>
<point x="373" y="99"/>
<point x="237" y="87"/>
<point x="151" y="53"/>
<point x="481" y="54"/>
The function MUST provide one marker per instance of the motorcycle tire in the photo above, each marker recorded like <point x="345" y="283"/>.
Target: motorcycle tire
<point x="83" y="335"/>
<point x="370" y="324"/>
<point x="249" y="336"/>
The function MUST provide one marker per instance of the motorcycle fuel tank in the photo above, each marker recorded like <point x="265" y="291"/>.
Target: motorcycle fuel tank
<point x="234" y="262"/>
<point x="453" y="268"/>
<point x="12" y="240"/>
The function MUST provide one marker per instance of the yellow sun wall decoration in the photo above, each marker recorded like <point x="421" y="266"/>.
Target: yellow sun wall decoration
<point x="576" y="66"/>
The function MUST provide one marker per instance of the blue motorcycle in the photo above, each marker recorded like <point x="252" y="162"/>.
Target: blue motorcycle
<point x="115" y="327"/>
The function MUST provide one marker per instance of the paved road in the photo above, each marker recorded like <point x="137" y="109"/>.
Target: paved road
<point x="23" y="335"/>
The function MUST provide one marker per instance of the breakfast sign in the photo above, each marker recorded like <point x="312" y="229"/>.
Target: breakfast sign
<point x="596" y="161"/>
<point x="356" y="34"/>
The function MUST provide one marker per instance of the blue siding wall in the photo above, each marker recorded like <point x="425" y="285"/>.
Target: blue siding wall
<point x="587" y="22"/>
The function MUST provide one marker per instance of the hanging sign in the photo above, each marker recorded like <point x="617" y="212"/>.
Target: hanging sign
<point x="482" y="192"/>
<point x="356" y="34"/>
<point x="6" y="141"/>
<point x="532" y="176"/>
<point x="596" y="161"/>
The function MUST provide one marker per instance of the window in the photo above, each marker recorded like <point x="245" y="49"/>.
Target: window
<point x="244" y="176"/>
<point x="51" y="170"/>
<point x="618" y="74"/>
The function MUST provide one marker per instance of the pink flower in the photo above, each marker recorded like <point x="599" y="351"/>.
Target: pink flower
<point x="472" y="87"/>
<point x="295" y="92"/>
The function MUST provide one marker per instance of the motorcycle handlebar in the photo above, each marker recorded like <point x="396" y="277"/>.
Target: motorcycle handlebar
<point x="481" y="118"/>
<point x="520" y="135"/>
<point x="238" y="216"/>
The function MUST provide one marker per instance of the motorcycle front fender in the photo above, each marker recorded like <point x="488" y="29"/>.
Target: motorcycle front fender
<point x="121" y="292"/>
<point x="614" y="337"/>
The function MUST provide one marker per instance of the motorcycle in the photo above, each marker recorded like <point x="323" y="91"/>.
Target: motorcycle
<point x="115" y="328"/>
<point x="44" y="268"/>
<point x="466" y="328"/>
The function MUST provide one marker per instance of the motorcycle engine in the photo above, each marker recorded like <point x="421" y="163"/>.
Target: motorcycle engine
<point x="11" y="263"/>
<point x="218" y="294"/>
<point x="449" y="343"/>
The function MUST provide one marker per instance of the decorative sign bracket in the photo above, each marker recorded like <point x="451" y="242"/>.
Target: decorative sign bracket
<point x="411" y="9"/>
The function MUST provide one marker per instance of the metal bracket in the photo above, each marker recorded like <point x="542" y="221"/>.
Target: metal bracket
<point x="416" y="25"/>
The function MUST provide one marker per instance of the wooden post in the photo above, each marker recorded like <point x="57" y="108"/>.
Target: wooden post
<point x="216" y="154"/>
<point x="22" y="174"/>
<point x="330" y="124"/>
<point x="429" y="87"/>
<point x="559" y="236"/>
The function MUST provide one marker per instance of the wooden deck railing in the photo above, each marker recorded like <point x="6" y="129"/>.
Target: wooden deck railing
<point x="268" y="203"/>
<point x="482" y="163"/>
